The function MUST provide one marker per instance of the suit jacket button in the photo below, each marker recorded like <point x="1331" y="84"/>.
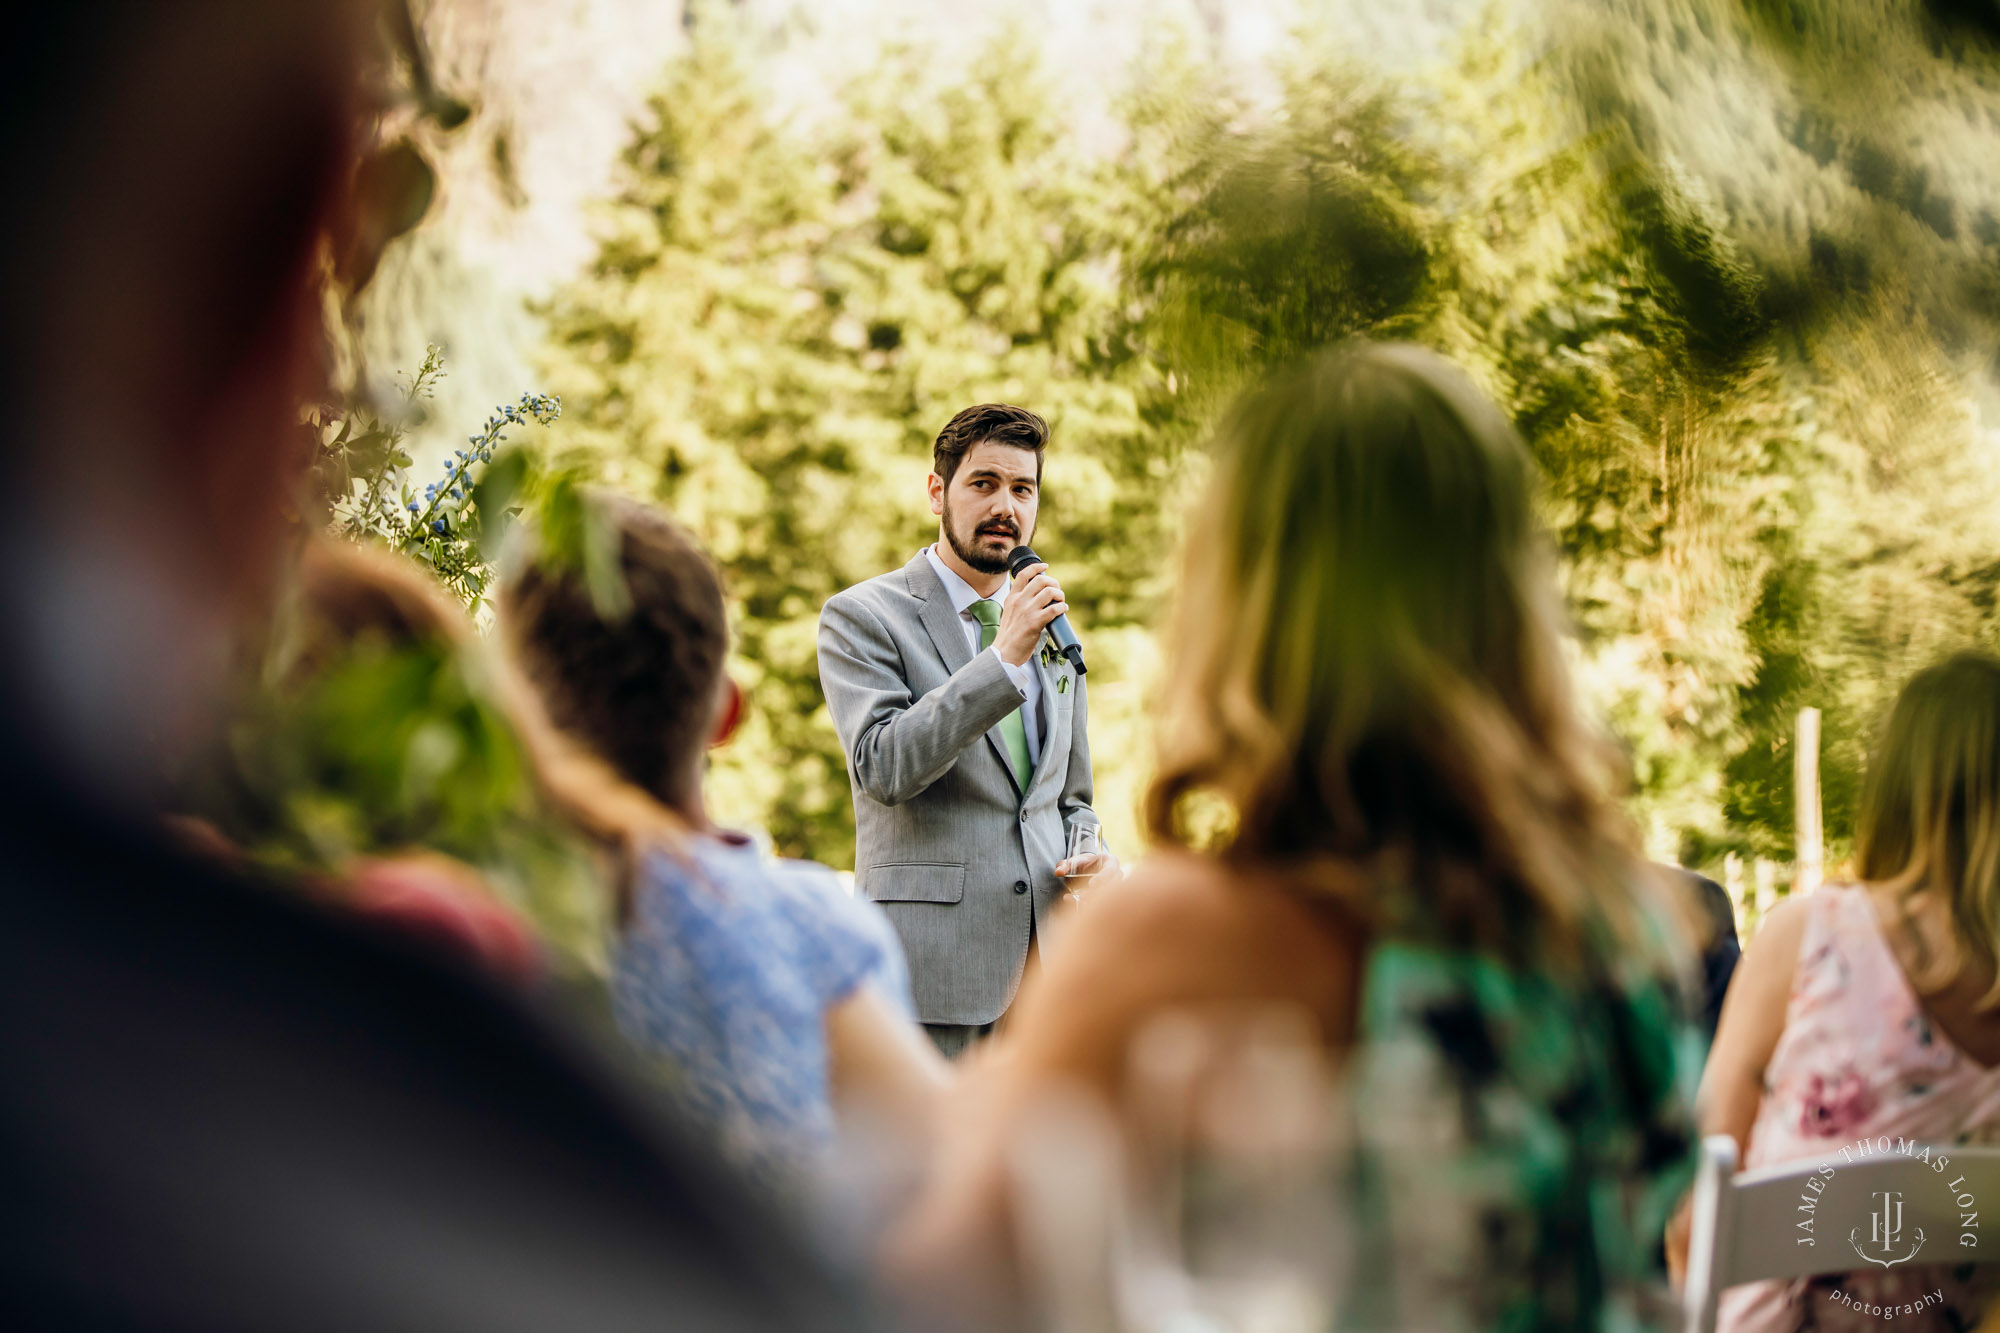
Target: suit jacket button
<point x="1020" y="886"/>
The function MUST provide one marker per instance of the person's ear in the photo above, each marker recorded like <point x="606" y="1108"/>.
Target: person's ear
<point x="730" y="716"/>
<point x="937" y="494"/>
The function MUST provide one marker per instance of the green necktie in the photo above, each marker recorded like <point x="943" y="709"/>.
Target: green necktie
<point x="1012" y="729"/>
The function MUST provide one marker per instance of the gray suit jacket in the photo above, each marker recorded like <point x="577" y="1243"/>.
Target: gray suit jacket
<point x="960" y="858"/>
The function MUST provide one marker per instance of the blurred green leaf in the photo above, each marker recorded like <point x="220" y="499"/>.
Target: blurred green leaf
<point x="393" y="188"/>
<point x="496" y="496"/>
<point x="385" y="749"/>
<point x="370" y="452"/>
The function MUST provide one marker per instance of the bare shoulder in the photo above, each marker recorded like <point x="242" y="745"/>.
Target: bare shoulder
<point x="1184" y="930"/>
<point x="1206" y="917"/>
<point x="1755" y="1008"/>
<point x="1166" y="895"/>
<point x="1780" y="931"/>
<point x="1764" y="976"/>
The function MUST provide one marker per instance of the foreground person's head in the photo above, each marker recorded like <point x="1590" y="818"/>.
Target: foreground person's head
<point x="640" y="684"/>
<point x="159" y="326"/>
<point x="1930" y="810"/>
<point x="1368" y="670"/>
<point x="377" y="764"/>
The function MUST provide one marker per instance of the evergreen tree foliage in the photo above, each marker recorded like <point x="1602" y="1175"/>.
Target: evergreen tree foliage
<point x="783" y="317"/>
<point x="1599" y="305"/>
<point x="1767" y="489"/>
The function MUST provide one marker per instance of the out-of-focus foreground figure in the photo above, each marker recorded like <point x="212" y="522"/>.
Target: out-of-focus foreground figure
<point x="221" y="1108"/>
<point x="1410" y="841"/>
<point x="373" y="762"/>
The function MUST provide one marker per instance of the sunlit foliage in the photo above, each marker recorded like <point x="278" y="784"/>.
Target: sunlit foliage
<point x="1766" y="482"/>
<point x="783" y="317"/>
<point x="361" y="479"/>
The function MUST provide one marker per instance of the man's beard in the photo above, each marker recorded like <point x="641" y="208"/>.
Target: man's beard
<point x="971" y="555"/>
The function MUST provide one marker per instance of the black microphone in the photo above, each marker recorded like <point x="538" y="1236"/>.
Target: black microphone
<point x="1058" y="629"/>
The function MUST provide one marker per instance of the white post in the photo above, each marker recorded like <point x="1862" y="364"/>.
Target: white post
<point x="1766" y="872"/>
<point x="1732" y="882"/>
<point x="1808" y="857"/>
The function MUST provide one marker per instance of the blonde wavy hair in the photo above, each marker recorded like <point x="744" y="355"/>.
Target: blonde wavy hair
<point x="1364" y="666"/>
<point x="1930" y="808"/>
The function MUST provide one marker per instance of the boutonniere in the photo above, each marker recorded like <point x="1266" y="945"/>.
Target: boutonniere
<point x="1053" y="660"/>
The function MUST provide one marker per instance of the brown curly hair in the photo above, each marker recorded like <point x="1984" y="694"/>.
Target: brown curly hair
<point x="639" y="687"/>
<point x="1000" y="423"/>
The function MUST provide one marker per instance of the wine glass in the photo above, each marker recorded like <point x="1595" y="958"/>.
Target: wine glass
<point x="1083" y="842"/>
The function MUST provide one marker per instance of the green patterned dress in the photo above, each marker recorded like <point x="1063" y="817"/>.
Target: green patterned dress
<point x="1520" y="1141"/>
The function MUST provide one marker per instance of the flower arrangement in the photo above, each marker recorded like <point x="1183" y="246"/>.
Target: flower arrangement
<point x="363" y="481"/>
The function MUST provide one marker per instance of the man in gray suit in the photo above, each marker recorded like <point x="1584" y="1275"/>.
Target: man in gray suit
<point x="964" y="732"/>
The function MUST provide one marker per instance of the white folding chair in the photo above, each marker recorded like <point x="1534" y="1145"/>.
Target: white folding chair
<point x="1746" y="1226"/>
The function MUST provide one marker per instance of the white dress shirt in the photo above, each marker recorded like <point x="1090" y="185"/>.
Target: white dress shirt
<point x="1026" y="679"/>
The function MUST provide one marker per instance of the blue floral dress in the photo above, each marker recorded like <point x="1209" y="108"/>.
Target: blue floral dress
<point x="727" y="971"/>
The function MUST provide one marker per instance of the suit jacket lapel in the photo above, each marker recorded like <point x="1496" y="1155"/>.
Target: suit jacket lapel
<point x="947" y="633"/>
<point x="1049" y="714"/>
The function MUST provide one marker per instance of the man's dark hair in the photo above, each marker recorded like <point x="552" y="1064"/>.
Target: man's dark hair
<point x="637" y="688"/>
<point x="997" y="422"/>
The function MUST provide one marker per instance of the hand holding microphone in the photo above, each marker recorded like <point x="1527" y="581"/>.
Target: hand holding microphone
<point x="1031" y="604"/>
<point x="1035" y="604"/>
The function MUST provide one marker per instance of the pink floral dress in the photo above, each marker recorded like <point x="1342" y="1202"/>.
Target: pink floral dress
<point x="1858" y="1059"/>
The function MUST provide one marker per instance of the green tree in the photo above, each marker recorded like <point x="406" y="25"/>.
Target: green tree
<point x="1890" y="560"/>
<point x="1766" y="482"/>
<point x="1601" y="306"/>
<point x="782" y="318"/>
